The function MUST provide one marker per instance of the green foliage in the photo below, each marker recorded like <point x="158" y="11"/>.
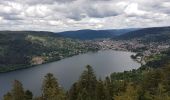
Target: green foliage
<point x="159" y="60"/>
<point x="85" y="88"/>
<point x="19" y="48"/>
<point x="108" y="88"/>
<point x="131" y="93"/>
<point x="100" y="91"/>
<point x="51" y="89"/>
<point x="18" y="93"/>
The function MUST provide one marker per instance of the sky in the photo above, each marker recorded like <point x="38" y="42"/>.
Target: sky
<point x="64" y="15"/>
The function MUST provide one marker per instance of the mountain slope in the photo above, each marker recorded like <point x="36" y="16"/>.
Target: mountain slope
<point x="94" y="34"/>
<point x="22" y="49"/>
<point x="148" y="34"/>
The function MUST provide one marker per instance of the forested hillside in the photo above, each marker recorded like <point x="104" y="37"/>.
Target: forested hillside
<point x="94" y="34"/>
<point x="155" y="34"/>
<point x="22" y="49"/>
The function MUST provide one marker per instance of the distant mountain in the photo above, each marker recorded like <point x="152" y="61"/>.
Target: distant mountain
<point x="148" y="34"/>
<point x="94" y="34"/>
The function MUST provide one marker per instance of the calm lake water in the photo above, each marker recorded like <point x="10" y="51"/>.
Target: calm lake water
<point x="68" y="70"/>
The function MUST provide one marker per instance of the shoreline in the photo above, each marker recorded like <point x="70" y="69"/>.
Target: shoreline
<point x="47" y="62"/>
<point x="31" y="66"/>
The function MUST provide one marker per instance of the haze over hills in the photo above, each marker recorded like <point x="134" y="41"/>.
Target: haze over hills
<point x="88" y="34"/>
<point x="151" y="34"/>
<point x="94" y="34"/>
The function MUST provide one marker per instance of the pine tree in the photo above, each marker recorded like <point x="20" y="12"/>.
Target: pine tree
<point x="88" y="82"/>
<point x="73" y="92"/>
<point x="17" y="91"/>
<point x="108" y="89"/>
<point x="51" y="89"/>
<point x="83" y="95"/>
<point x="85" y="88"/>
<point x="100" y="91"/>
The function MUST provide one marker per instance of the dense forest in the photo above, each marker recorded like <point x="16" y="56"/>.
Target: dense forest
<point x="145" y="83"/>
<point x="154" y="34"/>
<point x="94" y="34"/>
<point x="22" y="49"/>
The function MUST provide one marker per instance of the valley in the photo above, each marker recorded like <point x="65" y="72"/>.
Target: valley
<point x="84" y="50"/>
<point x="42" y="47"/>
<point x="121" y="63"/>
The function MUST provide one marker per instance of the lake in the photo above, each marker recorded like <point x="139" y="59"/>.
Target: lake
<point x="68" y="70"/>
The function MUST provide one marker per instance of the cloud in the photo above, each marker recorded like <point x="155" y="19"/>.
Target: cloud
<point x="133" y="10"/>
<point x="61" y="15"/>
<point x="38" y="11"/>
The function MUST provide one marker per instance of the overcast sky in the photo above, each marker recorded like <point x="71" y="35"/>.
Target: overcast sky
<point x="62" y="15"/>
